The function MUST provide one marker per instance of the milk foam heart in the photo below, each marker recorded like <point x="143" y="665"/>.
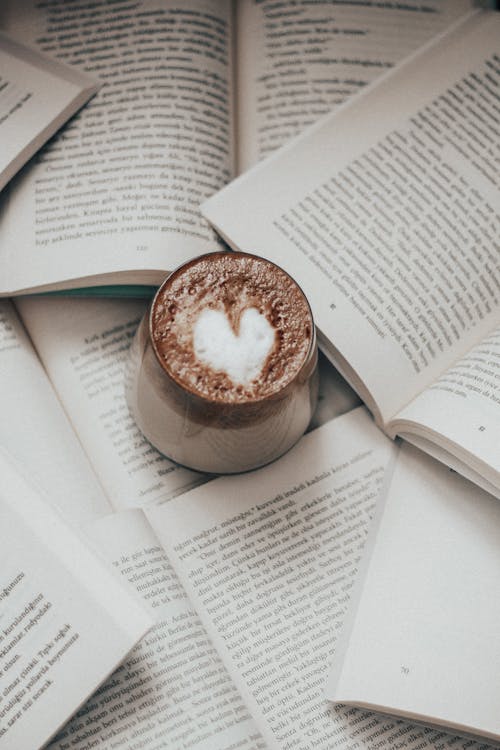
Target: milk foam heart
<point x="241" y="356"/>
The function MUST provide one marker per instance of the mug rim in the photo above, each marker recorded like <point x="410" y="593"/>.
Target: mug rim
<point x="304" y="372"/>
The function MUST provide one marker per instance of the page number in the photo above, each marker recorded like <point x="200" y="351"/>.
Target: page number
<point x="481" y="428"/>
<point x="405" y="670"/>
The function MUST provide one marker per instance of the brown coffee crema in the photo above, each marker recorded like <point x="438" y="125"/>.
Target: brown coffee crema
<point x="231" y="283"/>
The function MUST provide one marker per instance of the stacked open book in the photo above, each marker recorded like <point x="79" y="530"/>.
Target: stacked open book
<point x="392" y="230"/>
<point x="247" y="580"/>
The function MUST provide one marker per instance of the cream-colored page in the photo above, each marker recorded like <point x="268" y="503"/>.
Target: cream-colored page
<point x="66" y="621"/>
<point x="298" y="61"/>
<point x="462" y="408"/>
<point x="386" y="213"/>
<point x="35" y="430"/>
<point x="422" y="641"/>
<point x="114" y="198"/>
<point x="83" y="344"/>
<point x="37" y="95"/>
<point x="173" y="691"/>
<point x="268" y="560"/>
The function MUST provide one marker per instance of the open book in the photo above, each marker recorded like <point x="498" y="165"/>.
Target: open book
<point x="193" y="93"/>
<point x="226" y="665"/>
<point x="66" y="621"/>
<point x="296" y="528"/>
<point x="420" y="639"/>
<point x="269" y="560"/>
<point x="388" y="214"/>
<point x="37" y="95"/>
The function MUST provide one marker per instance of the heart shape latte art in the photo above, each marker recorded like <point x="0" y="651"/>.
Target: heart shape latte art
<point x="241" y="356"/>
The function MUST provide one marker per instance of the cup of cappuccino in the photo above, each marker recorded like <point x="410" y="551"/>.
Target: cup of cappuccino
<point x="222" y="372"/>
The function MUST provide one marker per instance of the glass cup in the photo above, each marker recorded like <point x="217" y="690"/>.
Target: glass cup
<point x="191" y="409"/>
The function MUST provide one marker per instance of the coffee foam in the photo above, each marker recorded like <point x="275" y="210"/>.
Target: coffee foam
<point x="210" y="300"/>
<point x="240" y="354"/>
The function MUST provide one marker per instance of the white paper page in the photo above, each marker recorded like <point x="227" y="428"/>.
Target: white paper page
<point x="120" y="189"/>
<point x="463" y="406"/>
<point x="65" y="620"/>
<point x="269" y="559"/>
<point x="297" y="62"/>
<point x="37" y="95"/>
<point x="356" y="227"/>
<point x="173" y="691"/>
<point x="449" y="459"/>
<point x="83" y="344"/>
<point x="36" y="432"/>
<point x="424" y="634"/>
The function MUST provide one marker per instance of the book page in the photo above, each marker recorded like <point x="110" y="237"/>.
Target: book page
<point x="119" y="189"/>
<point x="463" y="408"/>
<point x="83" y="344"/>
<point x="35" y="430"/>
<point x="62" y="614"/>
<point x="37" y="95"/>
<point x="173" y="690"/>
<point x="268" y="560"/>
<point x="390" y="228"/>
<point x="422" y="642"/>
<point x="297" y="62"/>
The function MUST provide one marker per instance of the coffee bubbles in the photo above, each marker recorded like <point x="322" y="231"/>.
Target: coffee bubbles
<point x="222" y="373"/>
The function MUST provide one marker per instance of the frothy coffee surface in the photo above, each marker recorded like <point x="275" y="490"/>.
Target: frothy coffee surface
<point x="231" y="284"/>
